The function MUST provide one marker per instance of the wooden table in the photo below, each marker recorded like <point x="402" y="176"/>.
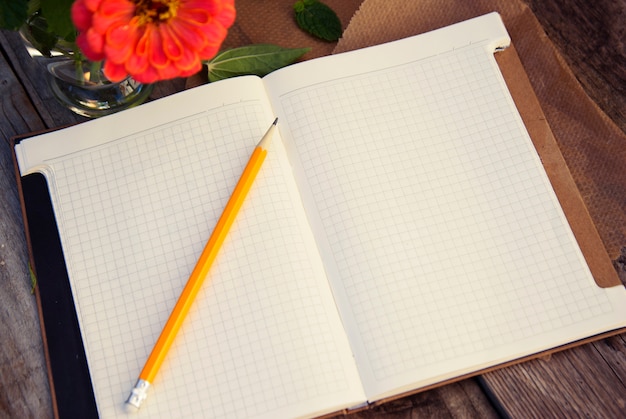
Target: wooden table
<point x="588" y="381"/>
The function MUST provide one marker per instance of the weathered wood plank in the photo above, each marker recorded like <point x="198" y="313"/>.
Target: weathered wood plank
<point x="24" y="390"/>
<point x="592" y="38"/>
<point x="18" y="113"/>
<point x="464" y="399"/>
<point x="32" y="75"/>
<point x="613" y="350"/>
<point x="575" y="383"/>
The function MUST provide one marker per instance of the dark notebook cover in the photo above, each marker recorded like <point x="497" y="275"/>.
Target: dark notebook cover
<point x="71" y="382"/>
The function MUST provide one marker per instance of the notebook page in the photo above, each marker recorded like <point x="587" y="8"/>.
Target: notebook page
<point x="263" y="338"/>
<point x="444" y="242"/>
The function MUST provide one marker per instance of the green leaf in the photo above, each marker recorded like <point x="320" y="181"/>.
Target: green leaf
<point x="13" y="13"/>
<point x="36" y="31"/>
<point x="34" y="6"/>
<point x="33" y="279"/>
<point x="259" y="59"/>
<point x="318" y="19"/>
<point x="57" y="14"/>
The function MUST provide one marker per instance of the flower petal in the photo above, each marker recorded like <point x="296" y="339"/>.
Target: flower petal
<point x="191" y="71"/>
<point x="211" y="6"/>
<point x="140" y="39"/>
<point x="120" y="42"/>
<point x="197" y="17"/>
<point x="190" y="35"/>
<point x="95" y="41"/>
<point x="227" y="15"/>
<point x="103" y="21"/>
<point x="216" y="33"/>
<point x="92" y="5"/>
<point x="117" y="7"/>
<point x="84" y="46"/>
<point x="150" y="75"/>
<point x="171" y="45"/>
<point x="114" y="72"/>
<point x="156" y="54"/>
<point x="168" y="72"/>
<point x="81" y="15"/>
<point x="138" y="62"/>
<point x="189" y="60"/>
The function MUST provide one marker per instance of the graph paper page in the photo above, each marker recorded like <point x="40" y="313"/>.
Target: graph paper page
<point x="263" y="338"/>
<point x="444" y="242"/>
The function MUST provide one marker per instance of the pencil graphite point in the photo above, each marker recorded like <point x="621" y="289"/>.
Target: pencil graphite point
<point x="267" y="138"/>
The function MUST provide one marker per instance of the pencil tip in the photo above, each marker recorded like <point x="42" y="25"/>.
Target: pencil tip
<point x="267" y="138"/>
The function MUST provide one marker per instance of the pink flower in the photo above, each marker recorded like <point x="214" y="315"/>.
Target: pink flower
<point x="151" y="40"/>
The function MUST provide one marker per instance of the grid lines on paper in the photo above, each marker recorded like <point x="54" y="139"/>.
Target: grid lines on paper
<point x="137" y="216"/>
<point x="445" y="236"/>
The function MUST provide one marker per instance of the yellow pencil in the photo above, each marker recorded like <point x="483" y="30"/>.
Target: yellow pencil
<point x="150" y="369"/>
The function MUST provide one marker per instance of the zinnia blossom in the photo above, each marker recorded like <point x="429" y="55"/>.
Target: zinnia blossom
<point x="151" y="40"/>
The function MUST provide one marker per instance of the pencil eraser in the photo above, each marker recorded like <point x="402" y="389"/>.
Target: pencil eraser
<point x="130" y="408"/>
<point x="137" y="396"/>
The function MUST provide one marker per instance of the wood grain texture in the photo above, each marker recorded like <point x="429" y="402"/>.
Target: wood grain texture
<point x="592" y="38"/>
<point x="464" y="399"/>
<point x="589" y="381"/>
<point x="32" y="76"/>
<point x="24" y="390"/>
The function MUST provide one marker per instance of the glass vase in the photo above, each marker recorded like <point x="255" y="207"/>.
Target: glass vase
<point x="79" y="84"/>
<point x="82" y="87"/>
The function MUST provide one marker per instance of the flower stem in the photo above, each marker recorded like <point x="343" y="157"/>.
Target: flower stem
<point x="94" y="72"/>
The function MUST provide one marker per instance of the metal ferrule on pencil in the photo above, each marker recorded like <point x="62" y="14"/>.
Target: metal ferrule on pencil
<point x="138" y="394"/>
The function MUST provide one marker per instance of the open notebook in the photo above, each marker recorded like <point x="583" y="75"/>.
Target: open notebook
<point x="402" y="232"/>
